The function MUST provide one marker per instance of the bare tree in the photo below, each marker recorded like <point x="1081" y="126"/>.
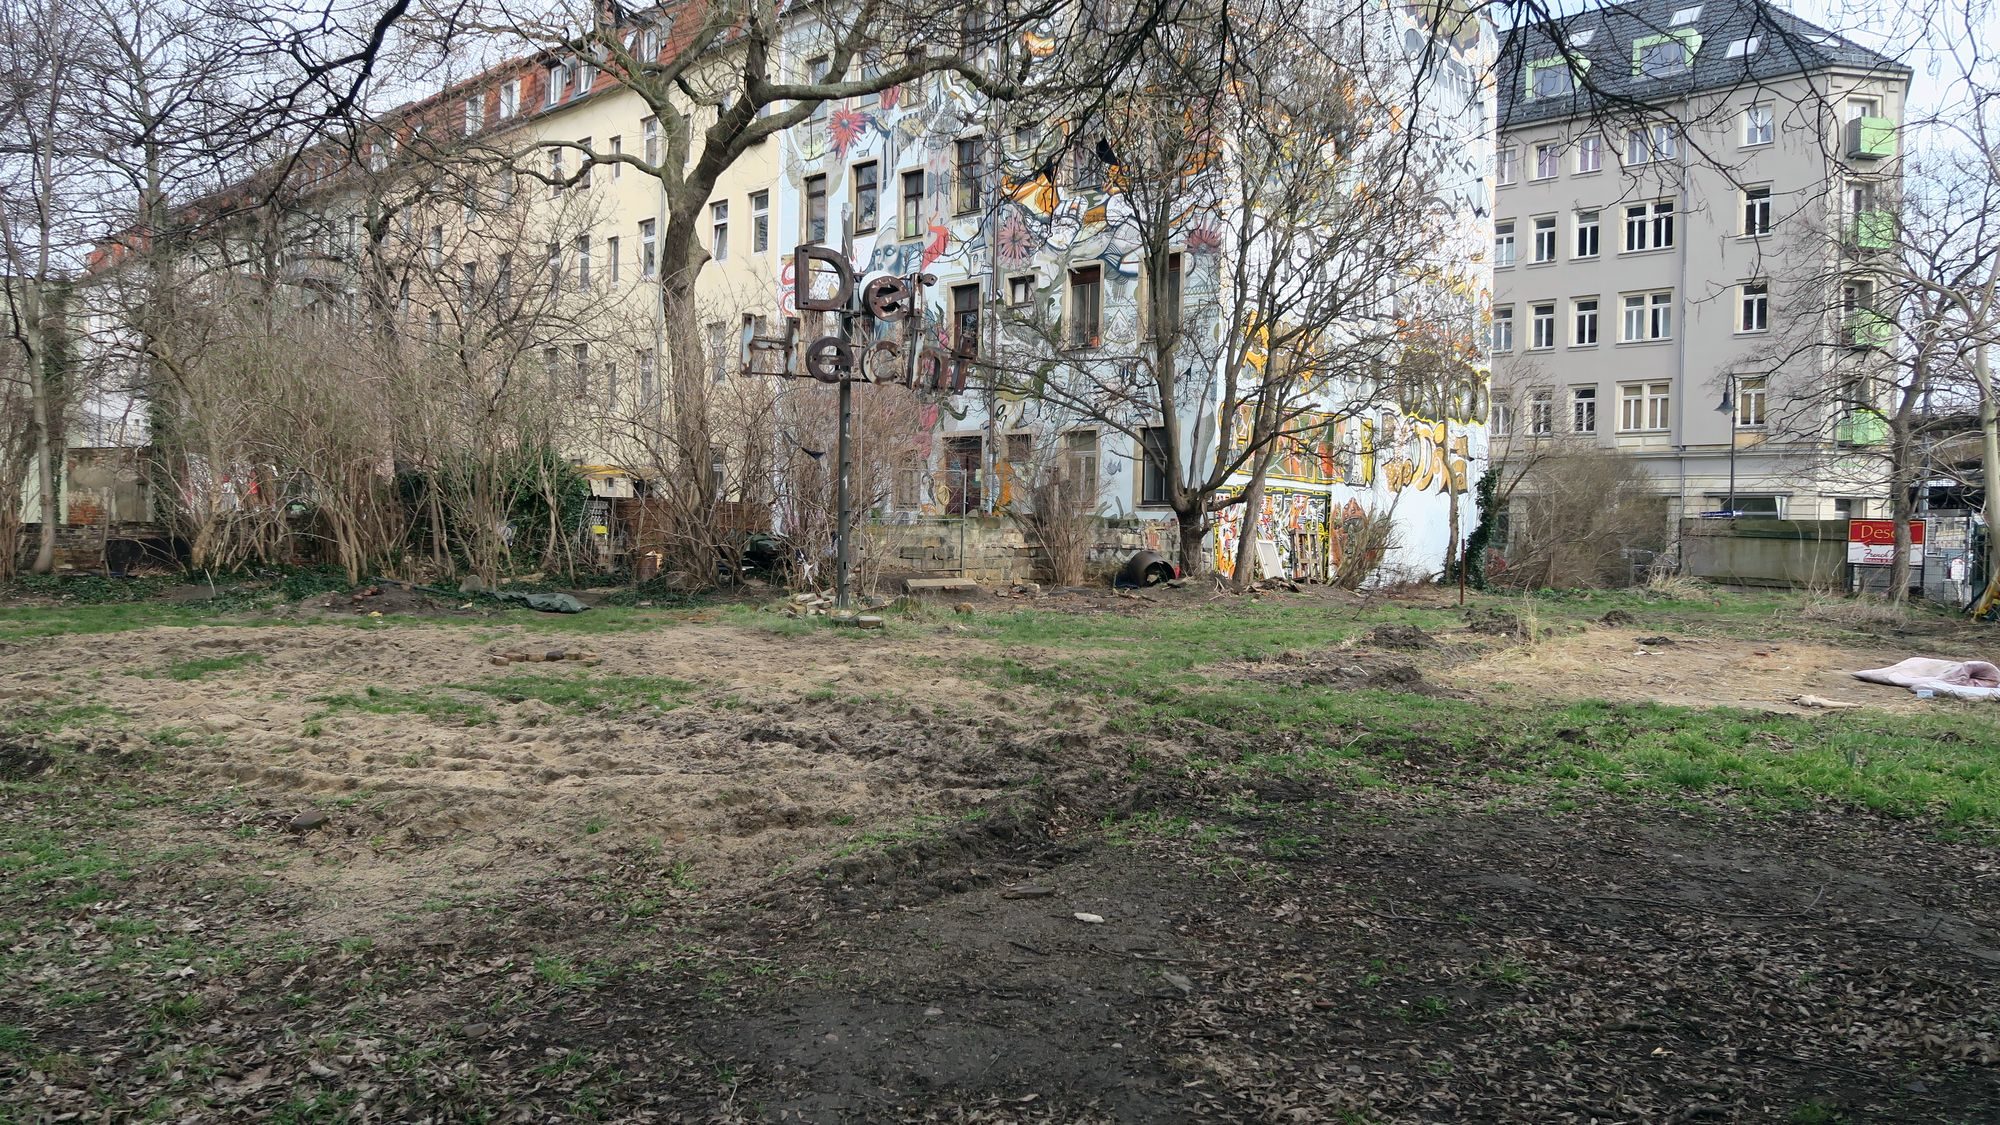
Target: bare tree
<point x="1280" y="198"/>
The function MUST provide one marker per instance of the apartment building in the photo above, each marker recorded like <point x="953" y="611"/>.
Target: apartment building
<point x="1038" y="262"/>
<point x="1683" y="191"/>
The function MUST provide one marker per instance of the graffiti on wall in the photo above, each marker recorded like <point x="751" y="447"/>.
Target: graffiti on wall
<point x="1295" y="521"/>
<point x="1414" y="454"/>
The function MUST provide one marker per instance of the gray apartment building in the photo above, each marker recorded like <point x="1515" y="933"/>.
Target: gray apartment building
<point x="1684" y="191"/>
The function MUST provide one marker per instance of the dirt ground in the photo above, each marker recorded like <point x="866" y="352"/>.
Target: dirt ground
<point x="830" y="875"/>
<point x="778" y="748"/>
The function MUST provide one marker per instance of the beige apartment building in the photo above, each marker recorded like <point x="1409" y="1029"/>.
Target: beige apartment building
<point x="601" y="232"/>
<point x="1683" y="191"/>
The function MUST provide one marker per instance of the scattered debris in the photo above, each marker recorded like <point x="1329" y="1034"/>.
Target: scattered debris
<point x="1091" y="919"/>
<point x="1961" y="679"/>
<point x="1654" y="642"/>
<point x="1145" y="568"/>
<point x="546" y="603"/>
<point x="1026" y="890"/>
<point x="1828" y="704"/>
<point x="307" y="821"/>
<point x="1618" y="617"/>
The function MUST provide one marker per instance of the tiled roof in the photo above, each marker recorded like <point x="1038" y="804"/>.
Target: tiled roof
<point x="1727" y="29"/>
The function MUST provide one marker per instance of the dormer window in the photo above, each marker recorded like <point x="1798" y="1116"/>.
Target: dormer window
<point x="1743" y="48"/>
<point x="557" y="72"/>
<point x="1686" y="15"/>
<point x="1665" y="56"/>
<point x="1553" y="78"/>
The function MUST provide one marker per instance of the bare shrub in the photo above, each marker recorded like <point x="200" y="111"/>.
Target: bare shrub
<point x="1855" y="612"/>
<point x="1055" y="505"/>
<point x="1578" y="517"/>
<point x="1362" y="551"/>
<point x="1676" y="588"/>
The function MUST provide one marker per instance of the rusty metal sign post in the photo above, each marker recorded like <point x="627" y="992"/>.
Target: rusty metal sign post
<point x="857" y="355"/>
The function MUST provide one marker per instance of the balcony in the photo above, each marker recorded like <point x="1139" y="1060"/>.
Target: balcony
<point x="1867" y="329"/>
<point x="1870" y="138"/>
<point x="1872" y="230"/>
<point x="1861" y="427"/>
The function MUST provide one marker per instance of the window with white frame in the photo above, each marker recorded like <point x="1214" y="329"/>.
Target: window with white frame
<point x="1080" y="466"/>
<point x="1500" y="417"/>
<point x="582" y="262"/>
<point x="1583" y="322"/>
<point x="583" y="174"/>
<point x="718" y="220"/>
<point x="817" y="68"/>
<point x="1583" y="410"/>
<point x="555" y="266"/>
<point x="1503" y="328"/>
<point x="1506" y="165"/>
<point x="649" y="133"/>
<point x="1545" y="238"/>
<point x="510" y="98"/>
<point x="555" y="173"/>
<point x="760" y="222"/>
<point x="555" y="76"/>
<point x="1757" y="125"/>
<point x="1589" y="153"/>
<point x="1548" y="161"/>
<point x="617" y="150"/>
<point x="1542" y="326"/>
<point x="475" y="113"/>
<point x="1550" y="78"/>
<point x="1649" y="316"/>
<point x="611" y="259"/>
<point x="1757" y="211"/>
<point x="1651" y="143"/>
<point x="1586" y="234"/>
<point x="1644" y="407"/>
<point x="1541" y="413"/>
<point x="1754" y="306"/>
<point x="1649" y="226"/>
<point x="1752" y="394"/>
<point x="1503" y="244"/>
<point x="649" y="247"/>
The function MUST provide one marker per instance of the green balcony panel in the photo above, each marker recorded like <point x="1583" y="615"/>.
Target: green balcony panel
<point x="1867" y="328"/>
<point x="1871" y="138"/>
<point x="1862" y="427"/>
<point x="1874" y="230"/>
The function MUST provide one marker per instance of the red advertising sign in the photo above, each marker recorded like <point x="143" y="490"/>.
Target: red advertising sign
<point x="1873" y="542"/>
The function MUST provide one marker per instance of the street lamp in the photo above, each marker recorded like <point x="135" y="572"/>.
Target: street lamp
<point x="1728" y="407"/>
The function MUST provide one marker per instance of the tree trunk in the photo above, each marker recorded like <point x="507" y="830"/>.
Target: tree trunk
<point x="46" y="434"/>
<point x="1253" y="506"/>
<point x="1989" y="430"/>
<point x="1194" y="535"/>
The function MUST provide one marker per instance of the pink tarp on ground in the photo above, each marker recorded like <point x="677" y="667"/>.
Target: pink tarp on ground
<point x="1965" y="679"/>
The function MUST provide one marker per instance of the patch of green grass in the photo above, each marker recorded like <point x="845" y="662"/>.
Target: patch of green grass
<point x="14" y="1040"/>
<point x="196" y="669"/>
<point x="615" y="694"/>
<point x="564" y="973"/>
<point x="38" y="718"/>
<point x="383" y="701"/>
<point x="1154" y="672"/>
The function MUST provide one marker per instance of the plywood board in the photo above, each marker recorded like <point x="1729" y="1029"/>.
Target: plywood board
<point x="1268" y="565"/>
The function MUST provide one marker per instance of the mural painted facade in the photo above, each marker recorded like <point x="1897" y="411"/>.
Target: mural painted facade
<point x="904" y="178"/>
